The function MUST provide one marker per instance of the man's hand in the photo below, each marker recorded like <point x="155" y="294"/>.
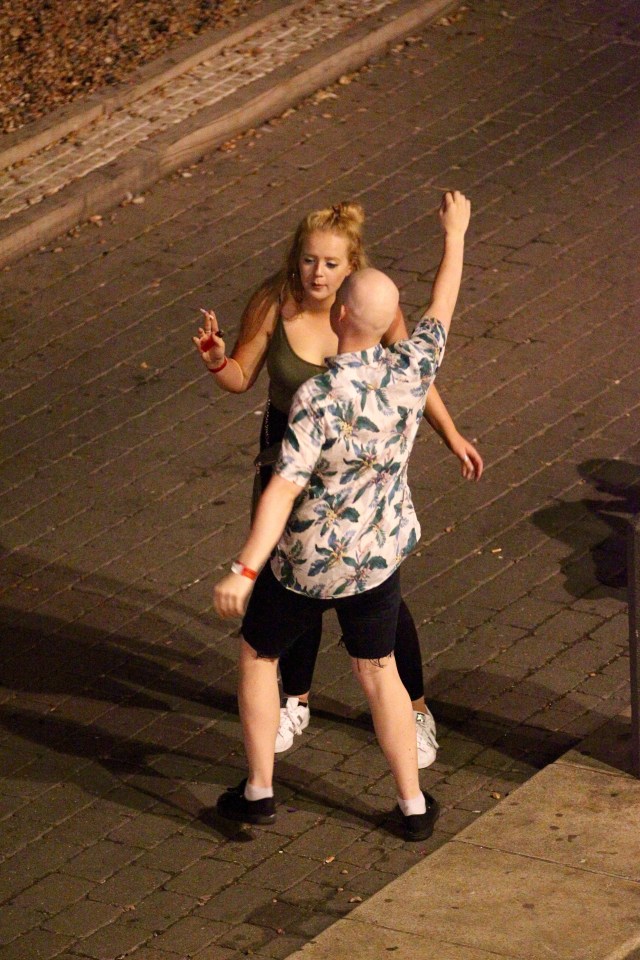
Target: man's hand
<point x="454" y="212"/>
<point x="231" y="594"/>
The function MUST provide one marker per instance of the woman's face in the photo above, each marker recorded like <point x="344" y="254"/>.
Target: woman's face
<point x="323" y="264"/>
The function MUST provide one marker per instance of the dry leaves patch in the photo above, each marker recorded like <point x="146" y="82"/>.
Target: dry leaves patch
<point x="54" y="51"/>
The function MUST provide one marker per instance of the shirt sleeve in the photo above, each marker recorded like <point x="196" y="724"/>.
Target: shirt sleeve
<point x="426" y="346"/>
<point x="302" y="442"/>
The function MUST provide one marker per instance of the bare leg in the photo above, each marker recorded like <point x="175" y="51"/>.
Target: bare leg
<point x="393" y="720"/>
<point x="259" y="703"/>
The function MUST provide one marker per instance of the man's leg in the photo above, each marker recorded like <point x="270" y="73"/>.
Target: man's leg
<point x="274" y="618"/>
<point x="369" y="621"/>
<point x="393" y="720"/>
<point x="251" y="801"/>
<point x="259" y="703"/>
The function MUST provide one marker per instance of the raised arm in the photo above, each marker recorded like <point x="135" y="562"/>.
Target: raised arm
<point x="454" y="214"/>
<point x="239" y="371"/>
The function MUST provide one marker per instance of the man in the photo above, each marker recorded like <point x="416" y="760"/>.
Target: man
<point x="339" y="512"/>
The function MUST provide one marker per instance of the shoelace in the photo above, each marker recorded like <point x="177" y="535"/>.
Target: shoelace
<point x="289" y="714"/>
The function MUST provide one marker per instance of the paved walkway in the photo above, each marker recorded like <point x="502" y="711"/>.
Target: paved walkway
<point x="125" y="480"/>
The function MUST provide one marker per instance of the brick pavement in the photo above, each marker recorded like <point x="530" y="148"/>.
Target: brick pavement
<point x="125" y="482"/>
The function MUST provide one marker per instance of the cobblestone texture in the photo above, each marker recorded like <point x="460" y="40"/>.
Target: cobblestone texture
<point x="125" y="480"/>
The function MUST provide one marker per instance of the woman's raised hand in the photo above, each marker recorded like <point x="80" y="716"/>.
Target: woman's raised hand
<point x="209" y="340"/>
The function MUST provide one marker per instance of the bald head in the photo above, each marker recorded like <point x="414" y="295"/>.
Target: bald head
<point x="371" y="300"/>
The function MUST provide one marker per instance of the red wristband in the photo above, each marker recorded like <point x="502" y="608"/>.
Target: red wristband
<point x="237" y="567"/>
<point x="218" y="369"/>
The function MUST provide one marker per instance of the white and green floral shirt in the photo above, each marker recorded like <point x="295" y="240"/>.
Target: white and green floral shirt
<point x="348" y="442"/>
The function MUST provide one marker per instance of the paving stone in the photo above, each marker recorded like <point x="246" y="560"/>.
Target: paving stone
<point x="16" y="921"/>
<point x="212" y="952"/>
<point x="175" y="853"/>
<point x="101" y="860"/>
<point x="160" y="910"/>
<point x="53" y="893"/>
<point x="42" y="944"/>
<point x="190" y="934"/>
<point x="117" y="938"/>
<point x="129" y="886"/>
<point x="280" y="873"/>
<point x="245" y="938"/>
<point x="82" y="919"/>
<point x="204" y="877"/>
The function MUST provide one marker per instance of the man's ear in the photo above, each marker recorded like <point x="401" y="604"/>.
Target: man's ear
<point x="342" y="313"/>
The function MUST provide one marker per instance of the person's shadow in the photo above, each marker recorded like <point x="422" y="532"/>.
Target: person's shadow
<point x="596" y="527"/>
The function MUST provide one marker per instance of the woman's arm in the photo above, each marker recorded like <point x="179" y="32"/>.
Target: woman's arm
<point x="440" y="419"/>
<point x="240" y="370"/>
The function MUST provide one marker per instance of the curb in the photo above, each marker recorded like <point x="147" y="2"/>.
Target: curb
<point x="192" y="139"/>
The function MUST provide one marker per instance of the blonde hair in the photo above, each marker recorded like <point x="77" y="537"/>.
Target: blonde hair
<point x="344" y="219"/>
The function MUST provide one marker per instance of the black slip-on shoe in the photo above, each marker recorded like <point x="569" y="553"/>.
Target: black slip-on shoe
<point x="233" y="805"/>
<point x="419" y="826"/>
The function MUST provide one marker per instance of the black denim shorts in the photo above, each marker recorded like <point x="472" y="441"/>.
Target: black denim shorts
<point x="277" y="617"/>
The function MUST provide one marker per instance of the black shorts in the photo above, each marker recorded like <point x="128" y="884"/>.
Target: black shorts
<point x="276" y="617"/>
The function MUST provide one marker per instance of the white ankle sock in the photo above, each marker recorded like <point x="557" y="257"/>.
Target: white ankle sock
<point x="414" y="806"/>
<point x="257" y="793"/>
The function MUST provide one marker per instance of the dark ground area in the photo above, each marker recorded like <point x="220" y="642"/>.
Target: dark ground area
<point x="55" y="51"/>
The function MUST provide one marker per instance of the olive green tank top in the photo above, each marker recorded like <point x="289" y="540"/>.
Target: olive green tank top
<point x="287" y="371"/>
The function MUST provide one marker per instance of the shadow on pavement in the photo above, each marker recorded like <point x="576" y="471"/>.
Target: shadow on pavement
<point x="596" y="527"/>
<point x="117" y="712"/>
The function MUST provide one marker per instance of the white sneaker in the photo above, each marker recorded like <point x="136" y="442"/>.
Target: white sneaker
<point x="294" y="718"/>
<point x="426" y="735"/>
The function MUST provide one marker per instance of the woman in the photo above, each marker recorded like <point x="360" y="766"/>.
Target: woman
<point x="286" y="326"/>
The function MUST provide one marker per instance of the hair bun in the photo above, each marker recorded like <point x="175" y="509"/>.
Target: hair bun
<point x="349" y="210"/>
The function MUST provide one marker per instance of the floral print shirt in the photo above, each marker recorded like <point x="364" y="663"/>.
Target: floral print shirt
<point x="348" y="440"/>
